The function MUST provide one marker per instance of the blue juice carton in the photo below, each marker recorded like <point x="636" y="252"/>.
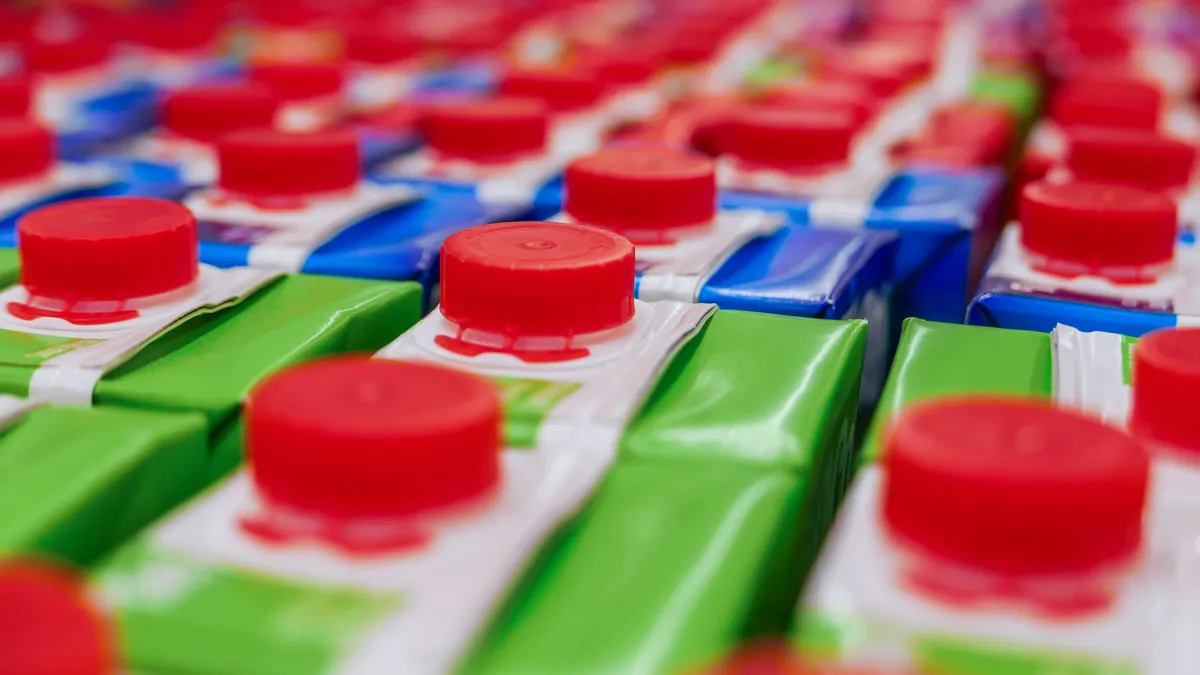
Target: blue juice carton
<point x="814" y="167"/>
<point x="80" y="88"/>
<point x="688" y="250"/>
<point x="1096" y="256"/>
<point x="180" y="154"/>
<point x="297" y="201"/>
<point x="31" y="175"/>
<point x="497" y="150"/>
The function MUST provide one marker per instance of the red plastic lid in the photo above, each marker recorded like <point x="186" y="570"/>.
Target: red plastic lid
<point x="352" y="437"/>
<point x="208" y="112"/>
<point x="379" y="43"/>
<point x="623" y="67"/>
<point x="84" y="49"/>
<point x="1129" y="156"/>
<point x="15" y="96"/>
<point x="49" y="625"/>
<point x="884" y="69"/>
<point x="1166" y="377"/>
<point x="1097" y="226"/>
<point x="791" y="138"/>
<point x="561" y="90"/>
<point x="1014" y="486"/>
<point x="108" y="248"/>
<point x="486" y="130"/>
<point x="641" y="189"/>
<point x="28" y="149"/>
<point x="1113" y="103"/>
<point x="825" y="96"/>
<point x="299" y="81"/>
<point x="532" y="279"/>
<point x="280" y="163"/>
<point x="192" y="29"/>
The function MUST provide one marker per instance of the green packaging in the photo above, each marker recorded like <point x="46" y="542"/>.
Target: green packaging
<point x="76" y="482"/>
<point x="698" y="535"/>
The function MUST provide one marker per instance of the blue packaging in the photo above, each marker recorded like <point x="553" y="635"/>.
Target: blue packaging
<point x="32" y="176"/>
<point x="1092" y="256"/>
<point x="298" y="203"/>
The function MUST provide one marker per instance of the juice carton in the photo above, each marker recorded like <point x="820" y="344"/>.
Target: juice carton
<point x="664" y="201"/>
<point x="296" y="201"/>
<point x="113" y="308"/>
<point x="181" y="152"/>
<point x="1136" y="157"/>
<point x="383" y="61"/>
<point x="588" y="386"/>
<point x="1126" y="382"/>
<point x="177" y="45"/>
<point x="1106" y="101"/>
<point x="496" y="150"/>
<point x="1098" y="256"/>
<point x="31" y="174"/>
<point x="80" y="481"/>
<point x="78" y="88"/>
<point x="1042" y="549"/>
<point x="810" y="166"/>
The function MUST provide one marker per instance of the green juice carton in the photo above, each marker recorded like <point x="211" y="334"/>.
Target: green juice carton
<point x="1031" y="512"/>
<point x="112" y="308"/>
<point x="75" y="482"/>
<point x="657" y="478"/>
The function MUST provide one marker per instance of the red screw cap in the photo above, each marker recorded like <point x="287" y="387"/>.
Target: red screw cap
<point x="881" y="68"/>
<point x="299" y="81"/>
<point x="49" y="625"/>
<point x="641" y="189"/>
<point x="27" y="148"/>
<point x="789" y="138"/>
<point x="288" y="164"/>
<point x="560" y="90"/>
<point x="197" y="27"/>
<point x="486" y="130"/>
<point x="1129" y="156"/>
<point x="1014" y="486"/>
<point x="536" y="279"/>
<point x="825" y="97"/>
<point x="208" y="112"/>
<point x="84" y="49"/>
<point x="379" y="44"/>
<point x="1166" y="377"/>
<point x="1107" y="103"/>
<point x="113" y="248"/>
<point x="15" y="96"/>
<point x="1097" y="226"/>
<point x="352" y="437"/>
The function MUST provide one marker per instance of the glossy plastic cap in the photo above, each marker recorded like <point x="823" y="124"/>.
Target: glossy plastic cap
<point x="15" y="96"/>
<point x="536" y="279"/>
<point x="1114" y="103"/>
<point x="378" y="44"/>
<point x="195" y="28"/>
<point x="28" y="149"/>
<point x="355" y="437"/>
<point x="299" y="81"/>
<point x="1129" y="156"/>
<point x="84" y="49"/>
<point x="826" y="97"/>
<point x="281" y="163"/>
<point x="1097" y="225"/>
<point x="791" y="138"/>
<point x="641" y="188"/>
<point x="1166" y="377"/>
<point x="560" y="89"/>
<point x="208" y="112"/>
<point x="49" y="625"/>
<point x="1014" y="486"/>
<point x="108" y="248"/>
<point x="486" y="130"/>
